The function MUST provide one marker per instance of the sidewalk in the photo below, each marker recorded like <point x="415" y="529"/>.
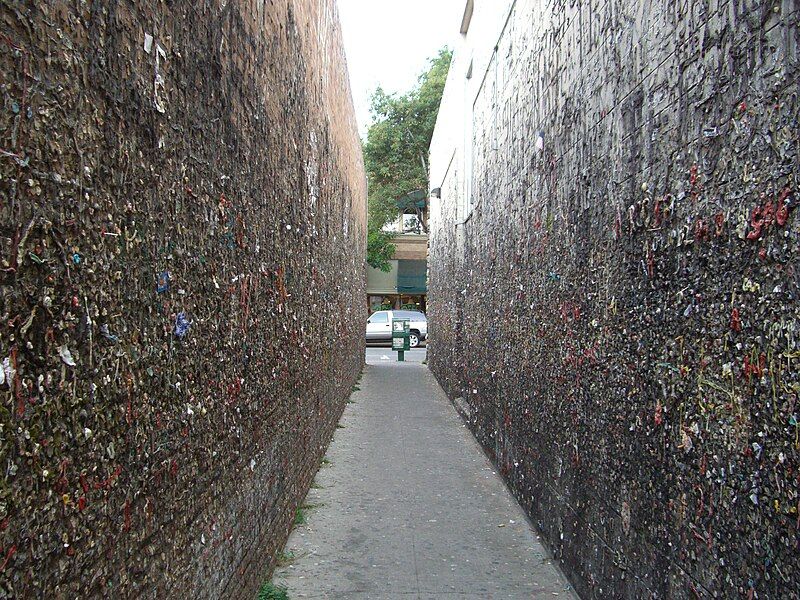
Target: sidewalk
<point x="409" y="507"/>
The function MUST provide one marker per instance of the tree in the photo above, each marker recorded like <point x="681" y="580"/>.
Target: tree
<point x="396" y="149"/>
<point x="380" y="249"/>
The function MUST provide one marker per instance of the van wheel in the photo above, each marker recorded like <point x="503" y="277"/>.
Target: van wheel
<point x="413" y="339"/>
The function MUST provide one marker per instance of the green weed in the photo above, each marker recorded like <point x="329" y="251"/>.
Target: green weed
<point x="270" y="591"/>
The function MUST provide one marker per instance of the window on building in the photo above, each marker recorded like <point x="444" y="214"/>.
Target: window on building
<point x="411" y="224"/>
<point x="395" y="226"/>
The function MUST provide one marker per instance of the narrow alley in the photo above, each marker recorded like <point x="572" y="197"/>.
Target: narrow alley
<point x="578" y="219"/>
<point x="406" y="504"/>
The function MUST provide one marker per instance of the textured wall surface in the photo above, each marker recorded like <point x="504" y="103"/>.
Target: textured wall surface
<point x="182" y="226"/>
<point x="617" y="318"/>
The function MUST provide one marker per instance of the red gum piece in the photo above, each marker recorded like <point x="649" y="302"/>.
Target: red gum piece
<point x="127" y="513"/>
<point x="756" y="223"/>
<point x="11" y="552"/>
<point x="736" y="321"/>
<point x="768" y="213"/>
<point x="107" y="483"/>
<point x="782" y="211"/>
<point x="700" y="230"/>
<point x="719" y="223"/>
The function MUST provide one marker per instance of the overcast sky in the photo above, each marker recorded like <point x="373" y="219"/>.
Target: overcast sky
<point x="388" y="43"/>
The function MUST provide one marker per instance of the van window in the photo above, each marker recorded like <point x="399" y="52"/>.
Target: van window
<point x="379" y="317"/>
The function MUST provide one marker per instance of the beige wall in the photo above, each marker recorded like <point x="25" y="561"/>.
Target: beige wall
<point x="411" y="247"/>
<point x="380" y="283"/>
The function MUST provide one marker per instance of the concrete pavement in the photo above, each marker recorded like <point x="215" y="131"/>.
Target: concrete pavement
<point x="409" y="506"/>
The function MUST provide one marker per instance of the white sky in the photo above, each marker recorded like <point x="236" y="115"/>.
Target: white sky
<point x="388" y="43"/>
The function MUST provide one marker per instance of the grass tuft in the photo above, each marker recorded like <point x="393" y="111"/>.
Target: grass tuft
<point x="300" y="517"/>
<point x="270" y="591"/>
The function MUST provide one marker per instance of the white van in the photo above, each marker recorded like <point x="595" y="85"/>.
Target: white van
<point x="379" y="326"/>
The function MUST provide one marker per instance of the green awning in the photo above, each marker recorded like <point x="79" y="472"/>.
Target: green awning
<point x="412" y="277"/>
<point x="414" y="200"/>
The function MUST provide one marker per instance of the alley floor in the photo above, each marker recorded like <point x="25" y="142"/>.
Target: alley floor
<point x="407" y="506"/>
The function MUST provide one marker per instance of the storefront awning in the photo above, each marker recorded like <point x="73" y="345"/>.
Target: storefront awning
<point x="412" y="277"/>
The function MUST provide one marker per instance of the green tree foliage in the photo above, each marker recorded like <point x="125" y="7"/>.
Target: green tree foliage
<point x="396" y="150"/>
<point x="379" y="248"/>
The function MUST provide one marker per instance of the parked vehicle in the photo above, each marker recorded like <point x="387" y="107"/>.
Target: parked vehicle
<point x="379" y="326"/>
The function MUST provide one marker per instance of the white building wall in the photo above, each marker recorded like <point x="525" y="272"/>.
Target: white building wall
<point x="452" y="136"/>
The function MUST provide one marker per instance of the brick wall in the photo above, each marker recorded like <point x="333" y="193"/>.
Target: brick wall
<point x="182" y="228"/>
<point x="617" y="317"/>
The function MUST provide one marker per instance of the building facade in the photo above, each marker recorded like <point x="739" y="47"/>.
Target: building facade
<point x="406" y="284"/>
<point x="614" y="286"/>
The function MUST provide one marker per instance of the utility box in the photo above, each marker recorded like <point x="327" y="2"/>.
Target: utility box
<point x="401" y="334"/>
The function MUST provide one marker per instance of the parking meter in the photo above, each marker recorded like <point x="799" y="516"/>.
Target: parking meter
<point x="401" y="335"/>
